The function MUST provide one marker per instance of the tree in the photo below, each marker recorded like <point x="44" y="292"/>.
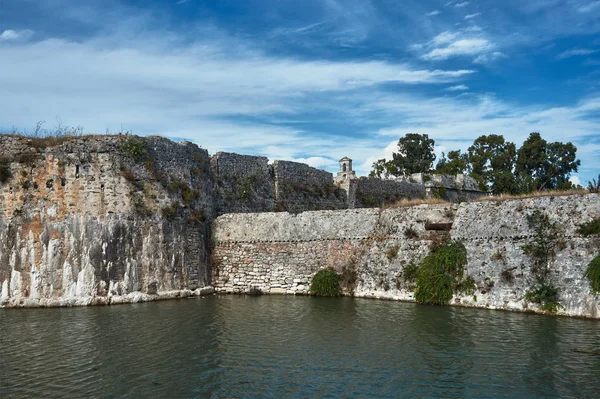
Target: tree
<point x="415" y="155"/>
<point x="491" y="162"/>
<point x="545" y="166"/>
<point x="455" y="164"/>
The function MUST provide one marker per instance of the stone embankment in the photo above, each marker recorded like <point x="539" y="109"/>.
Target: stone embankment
<point x="374" y="250"/>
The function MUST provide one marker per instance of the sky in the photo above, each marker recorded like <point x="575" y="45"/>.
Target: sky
<point x="312" y="80"/>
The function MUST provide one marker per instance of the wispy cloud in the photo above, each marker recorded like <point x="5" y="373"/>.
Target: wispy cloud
<point x="589" y="7"/>
<point x="576" y="52"/>
<point x="471" y="16"/>
<point x="11" y="35"/>
<point x="459" y="48"/>
<point x="458" y="88"/>
<point x="486" y="58"/>
<point x="432" y="13"/>
<point x="462" y="4"/>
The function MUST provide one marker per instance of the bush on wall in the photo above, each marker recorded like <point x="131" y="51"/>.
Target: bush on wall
<point x="326" y="283"/>
<point x="593" y="274"/>
<point x="441" y="274"/>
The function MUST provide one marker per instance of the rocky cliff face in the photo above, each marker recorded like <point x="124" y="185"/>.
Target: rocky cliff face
<point x="375" y="251"/>
<point x="102" y="219"/>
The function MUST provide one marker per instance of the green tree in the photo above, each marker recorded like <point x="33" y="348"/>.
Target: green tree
<point x="456" y="163"/>
<point x="415" y="155"/>
<point x="545" y="166"/>
<point x="491" y="162"/>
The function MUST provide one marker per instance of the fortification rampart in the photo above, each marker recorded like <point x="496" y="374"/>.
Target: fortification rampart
<point x="92" y="220"/>
<point x="279" y="253"/>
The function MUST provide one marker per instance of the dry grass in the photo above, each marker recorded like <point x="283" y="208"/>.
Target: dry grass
<point x="498" y="198"/>
<point x="413" y="202"/>
<point x="537" y="194"/>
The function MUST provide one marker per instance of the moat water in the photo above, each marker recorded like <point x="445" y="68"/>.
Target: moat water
<point x="274" y="346"/>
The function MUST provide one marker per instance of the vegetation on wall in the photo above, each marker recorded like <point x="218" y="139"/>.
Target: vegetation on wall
<point x="134" y="147"/>
<point x="594" y="185"/>
<point x="590" y="228"/>
<point x="5" y="172"/>
<point x="593" y="274"/>
<point x="547" y="239"/>
<point x="441" y="274"/>
<point x="326" y="283"/>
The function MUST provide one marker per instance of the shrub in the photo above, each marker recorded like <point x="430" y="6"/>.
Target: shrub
<point x="546" y="295"/>
<point x="5" y="172"/>
<point x="134" y="147"/>
<point x="326" y="283"/>
<point x="546" y="239"/>
<point x="594" y="185"/>
<point x="170" y="212"/>
<point x="409" y="274"/>
<point x="392" y="252"/>
<point x="507" y="275"/>
<point x="590" y="228"/>
<point x="440" y="274"/>
<point x="593" y="274"/>
<point x="411" y="233"/>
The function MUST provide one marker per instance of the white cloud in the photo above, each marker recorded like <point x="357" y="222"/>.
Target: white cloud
<point x="463" y="4"/>
<point x="575" y="180"/>
<point x="589" y="7"/>
<point x="485" y="58"/>
<point x="576" y="52"/>
<point x="11" y="35"/>
<point x="451" y="118"/>
<point x="458" y="48"/>
<point x="457" y="88"/>
<point x="471" y="16"/>
<point x="317" y="162"/>
<point x="433" y="13"/>
<point x="208" y="92"/>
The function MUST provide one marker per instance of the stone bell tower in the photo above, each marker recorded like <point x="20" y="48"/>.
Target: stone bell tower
<point x="346" y="172"/>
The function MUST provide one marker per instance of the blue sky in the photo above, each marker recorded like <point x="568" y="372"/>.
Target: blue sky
<point x="310" y="80"/>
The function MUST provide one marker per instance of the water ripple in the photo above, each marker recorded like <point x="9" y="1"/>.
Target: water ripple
<point x="262" y="347"/>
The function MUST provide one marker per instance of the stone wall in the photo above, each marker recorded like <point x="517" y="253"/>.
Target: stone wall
<point x="373" y="192"/>
<point x="299" y="187"/>
<point x="243" y="183"/>
<point x="82" y="221"/>
<point x="246" y="183"/>
<point x="373" y="250"/>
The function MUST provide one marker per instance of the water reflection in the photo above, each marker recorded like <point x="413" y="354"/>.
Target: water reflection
<point x="274" y="346"/>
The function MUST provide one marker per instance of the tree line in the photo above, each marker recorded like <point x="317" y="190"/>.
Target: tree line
<point x="496" y="164"/>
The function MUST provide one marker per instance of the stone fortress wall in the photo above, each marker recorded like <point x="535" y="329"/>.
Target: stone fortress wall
<point x="83" y="222"/>
<point x="280" y="252"/>
<point x="250" y="184"/>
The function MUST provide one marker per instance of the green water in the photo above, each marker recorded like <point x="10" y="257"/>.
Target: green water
<point x="274" y="346"/>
